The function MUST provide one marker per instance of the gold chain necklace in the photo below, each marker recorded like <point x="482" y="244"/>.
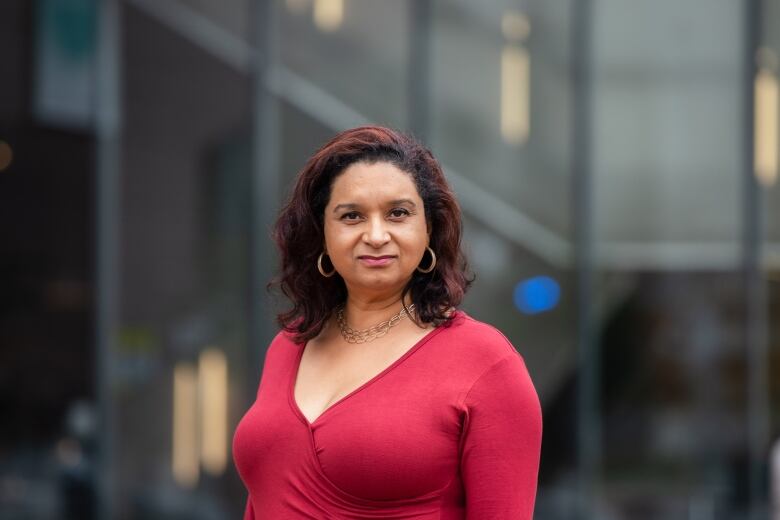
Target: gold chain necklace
<point x="370" y="334"/>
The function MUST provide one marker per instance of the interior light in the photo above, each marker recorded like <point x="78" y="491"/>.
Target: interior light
<point x="515" y="95"/>
<point x="185" y="425"/>
<point x="765" y="153"/>
<point x="213" y="378"/>
<point x="328" y="14"/>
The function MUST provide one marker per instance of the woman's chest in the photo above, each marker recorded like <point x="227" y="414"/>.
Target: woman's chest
<point x="394" y="438"/>
<point x="329" y="371"/>
<point x="390" y="441"/>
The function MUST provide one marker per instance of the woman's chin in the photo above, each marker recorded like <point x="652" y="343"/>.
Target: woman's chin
<point x="377" y="281"/>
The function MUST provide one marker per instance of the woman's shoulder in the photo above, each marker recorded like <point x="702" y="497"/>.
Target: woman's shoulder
<point x="282" y="343"/>
<point x="475" y="338"/>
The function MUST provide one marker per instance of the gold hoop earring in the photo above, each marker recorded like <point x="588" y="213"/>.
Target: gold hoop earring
<point x="433" y="262"/>
<point x="321" y="270"/>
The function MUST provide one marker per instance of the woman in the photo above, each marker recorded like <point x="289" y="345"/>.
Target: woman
<point x="380" y="398"/>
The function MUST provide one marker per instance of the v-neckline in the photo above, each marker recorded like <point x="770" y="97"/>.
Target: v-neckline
<point x="389" y="368"/>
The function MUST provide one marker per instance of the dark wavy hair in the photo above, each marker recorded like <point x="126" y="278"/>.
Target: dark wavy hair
<point x="299" y="231"/>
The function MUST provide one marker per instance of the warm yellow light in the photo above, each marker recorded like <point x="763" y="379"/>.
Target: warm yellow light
<point x="328" y="14"/>
<point x="185" y="425"/>
<point x="6" y="155"/>
<point x="296" y="6"/>
<point x="766" y="127"/>
<point x="515" y="25"/>
<point x="515" y="87"/>
<point x="213" y="418"/>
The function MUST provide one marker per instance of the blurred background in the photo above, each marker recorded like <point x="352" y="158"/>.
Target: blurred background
<point x="616" y="162"/>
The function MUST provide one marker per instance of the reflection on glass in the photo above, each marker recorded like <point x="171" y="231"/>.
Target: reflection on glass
<point x="515" y="78"/>
<point x="514" y="94"/>
<point x="212" y="374"/>
<point x="537" y="294"/>
<point x="185" y="425"/>
<point x="766" y="105"/>
<point x="328" y="14"/>
<point x="296" y="6"/>
<point x="515" y="25"/>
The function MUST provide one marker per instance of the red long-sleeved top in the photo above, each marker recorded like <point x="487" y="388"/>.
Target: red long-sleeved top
<point x="450" y="430"/>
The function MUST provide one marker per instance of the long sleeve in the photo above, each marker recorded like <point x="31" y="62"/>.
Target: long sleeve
<point x="249" y="512"/>
<point x="501" y="443"/>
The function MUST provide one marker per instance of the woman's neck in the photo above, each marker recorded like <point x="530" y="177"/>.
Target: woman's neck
<point x="362" y="313"/>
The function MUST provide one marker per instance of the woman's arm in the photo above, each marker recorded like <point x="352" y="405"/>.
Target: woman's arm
<point x="502" y="443"/>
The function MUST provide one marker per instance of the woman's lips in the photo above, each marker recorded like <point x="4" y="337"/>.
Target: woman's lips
<point x="376" y="261"/>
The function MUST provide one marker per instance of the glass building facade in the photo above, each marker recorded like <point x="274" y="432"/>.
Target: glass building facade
<point x="616" y="164"/>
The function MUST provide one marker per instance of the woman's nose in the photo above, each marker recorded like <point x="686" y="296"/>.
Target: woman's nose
<point x="376" y="235"/>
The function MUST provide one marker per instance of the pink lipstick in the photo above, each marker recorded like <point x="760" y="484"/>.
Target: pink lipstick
<point x="376" y="261"/>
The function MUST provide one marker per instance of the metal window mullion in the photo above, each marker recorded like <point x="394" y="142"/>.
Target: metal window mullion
<point x="589" y="452"/>
<point x="419" y="68"/>
<point x="107" y="217"/>
<point x="264" y="187"/>
<point x="756" y="338"/>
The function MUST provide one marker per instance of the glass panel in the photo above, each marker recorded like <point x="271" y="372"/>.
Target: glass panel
<point x="47" y="247"/>
<point x="301" y="137"/>
<point x="666" y="146"/>
<point x="668" y="215"/>
<point x="232" y="16"/>
<point x="352" y="51"/>
<point x="508" y="126"/>
<point x="180" y="382"/>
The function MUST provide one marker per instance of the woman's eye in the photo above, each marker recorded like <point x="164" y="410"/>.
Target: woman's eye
<point x="399" y="212"/>
<point x="352" y="215"/>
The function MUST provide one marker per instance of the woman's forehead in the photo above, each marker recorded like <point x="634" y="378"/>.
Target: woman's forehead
<point x="378" y="182"/>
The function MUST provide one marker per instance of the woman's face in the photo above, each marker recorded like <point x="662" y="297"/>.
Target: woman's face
<point x="375" y="228"/>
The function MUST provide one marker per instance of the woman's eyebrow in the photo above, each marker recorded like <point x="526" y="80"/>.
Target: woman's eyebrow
<point x="350" y="205"/>
<point x="353" y="205"/>
<point x="403" y="201"/>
